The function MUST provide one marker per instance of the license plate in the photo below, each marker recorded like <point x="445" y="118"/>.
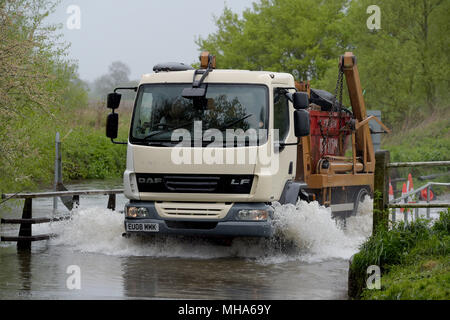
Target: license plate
<point x="143" y="227"/>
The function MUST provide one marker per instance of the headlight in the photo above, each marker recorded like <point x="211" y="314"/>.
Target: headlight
<point x="133" y="212"/>
<point x="252" y="215"/>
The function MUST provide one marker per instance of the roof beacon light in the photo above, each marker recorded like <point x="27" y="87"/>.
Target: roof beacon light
<point x="207" y="60"/>
<point x="198" y="90"/>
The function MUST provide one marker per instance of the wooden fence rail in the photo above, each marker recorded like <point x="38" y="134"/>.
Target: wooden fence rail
<point x="418" y="164"/>
<point x="25" y="237"/>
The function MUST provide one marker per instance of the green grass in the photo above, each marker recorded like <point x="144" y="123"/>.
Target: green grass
<point x="413" y="258"/>
<point x="427" y="279"/>
<point x="427" y="141"/>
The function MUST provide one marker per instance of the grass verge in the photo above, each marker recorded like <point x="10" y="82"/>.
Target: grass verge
<point x="413" y="258"/>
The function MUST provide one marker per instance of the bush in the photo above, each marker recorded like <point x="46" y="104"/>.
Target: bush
<point x="89" y="155"/>
<point x="443" y="224"/>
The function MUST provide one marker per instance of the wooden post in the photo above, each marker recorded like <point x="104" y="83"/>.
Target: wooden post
<point x="26" y="228"/>
<point x="381" y="191"/>
<point x="58" y="175"/>
<point x="112" y="202"/>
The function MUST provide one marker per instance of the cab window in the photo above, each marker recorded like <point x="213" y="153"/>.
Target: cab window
<point x="281" y="113"/>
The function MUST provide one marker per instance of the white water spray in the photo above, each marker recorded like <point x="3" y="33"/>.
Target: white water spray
<point x="309" y="227"/>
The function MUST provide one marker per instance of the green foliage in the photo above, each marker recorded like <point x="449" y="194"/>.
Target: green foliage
<point x="390" y="246"/>
<point x="41" y="94"/>
<point x="279" y="35"/>
<point x="402" y="254"/>
<point x="429" y="141"/>
<point x="401" y="64"/>
<point x="442" y="226"/>
<point x="88" y="155"/>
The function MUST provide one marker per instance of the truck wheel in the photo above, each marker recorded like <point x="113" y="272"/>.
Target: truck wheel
<point x="359" y="198"/>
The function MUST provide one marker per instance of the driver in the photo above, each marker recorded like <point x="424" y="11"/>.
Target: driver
<point x="178" y="110"/>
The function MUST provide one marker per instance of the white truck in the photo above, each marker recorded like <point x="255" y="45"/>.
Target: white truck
<point x="210" y="150"/>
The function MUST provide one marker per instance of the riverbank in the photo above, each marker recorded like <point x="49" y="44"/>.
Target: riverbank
<point x="414" y="260"/>
<point x="86" y="152"/>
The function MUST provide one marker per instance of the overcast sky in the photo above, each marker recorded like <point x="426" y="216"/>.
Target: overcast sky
<point x="141" y="33"/>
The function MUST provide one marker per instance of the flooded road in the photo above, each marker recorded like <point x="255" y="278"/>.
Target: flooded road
<point x="42" y="275"/>
<point x="311" y="264"/>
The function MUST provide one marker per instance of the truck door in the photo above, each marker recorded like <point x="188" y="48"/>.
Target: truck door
<point x="283" y="124"/>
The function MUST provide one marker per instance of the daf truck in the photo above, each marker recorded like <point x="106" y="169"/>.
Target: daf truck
<point x="210" y="150"/>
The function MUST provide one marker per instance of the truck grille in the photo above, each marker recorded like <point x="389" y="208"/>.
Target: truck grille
<point x="198" y="184"/>
<point x="170" y="183"/>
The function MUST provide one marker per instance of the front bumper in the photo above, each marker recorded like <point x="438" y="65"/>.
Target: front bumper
<point x="229" y="226"/>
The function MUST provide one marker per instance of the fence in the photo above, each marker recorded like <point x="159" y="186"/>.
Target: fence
<point x="25" y="237"/>
<point x="381" y="204"/>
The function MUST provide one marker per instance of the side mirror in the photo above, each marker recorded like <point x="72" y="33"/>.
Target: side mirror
<point x="113" y="101"/>
<point x="302" y="123"/>
<point x="112" y="126"/>
<point x="300" y="100"/>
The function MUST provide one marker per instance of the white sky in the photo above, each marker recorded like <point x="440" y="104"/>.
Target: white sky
<point x="140" y="33"/>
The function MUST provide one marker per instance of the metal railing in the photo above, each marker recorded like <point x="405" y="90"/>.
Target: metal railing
<point x="25" y="237"/>
<point x="396" y="203"/>
<point x="381" y="185"/>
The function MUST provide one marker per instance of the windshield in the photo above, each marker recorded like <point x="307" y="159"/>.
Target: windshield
<point x="161" y="110"/>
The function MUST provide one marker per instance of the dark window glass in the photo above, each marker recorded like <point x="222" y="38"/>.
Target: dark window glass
<point x="281" y="113"/>
<point x="160" y="110"/>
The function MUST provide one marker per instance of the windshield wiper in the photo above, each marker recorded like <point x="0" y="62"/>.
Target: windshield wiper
<point x="228" y="125"/>
<point x="232" y="123"/>
<point x="166" y="131"/>
<point x="157" y="143"/>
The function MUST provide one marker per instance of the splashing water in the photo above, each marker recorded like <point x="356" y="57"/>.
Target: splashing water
<point x="307" y="230"/>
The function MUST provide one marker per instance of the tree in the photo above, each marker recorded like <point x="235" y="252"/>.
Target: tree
<point x="279" y="35"/>
<point x="118" y="75"/>
<point x="36" y="84"/>
<point x="119" y="72"/>
<point x="404" y="66"/>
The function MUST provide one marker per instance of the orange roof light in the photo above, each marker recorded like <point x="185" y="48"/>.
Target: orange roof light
<point x="205" y="58"/>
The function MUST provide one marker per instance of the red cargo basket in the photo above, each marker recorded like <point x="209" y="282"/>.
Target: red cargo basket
<point x="319" y="119"/>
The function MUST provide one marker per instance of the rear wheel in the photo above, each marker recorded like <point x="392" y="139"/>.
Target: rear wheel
<point x="359" y="198"/>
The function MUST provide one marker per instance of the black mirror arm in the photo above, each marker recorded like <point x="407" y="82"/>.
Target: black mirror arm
<point x="289" y="94"/>
<point x="282" y="144"/>
<point x="279" y="146"/>
<point x="197" y="84"/>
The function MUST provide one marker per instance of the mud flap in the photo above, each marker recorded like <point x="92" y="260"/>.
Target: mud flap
<point x="291" y="192"/>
